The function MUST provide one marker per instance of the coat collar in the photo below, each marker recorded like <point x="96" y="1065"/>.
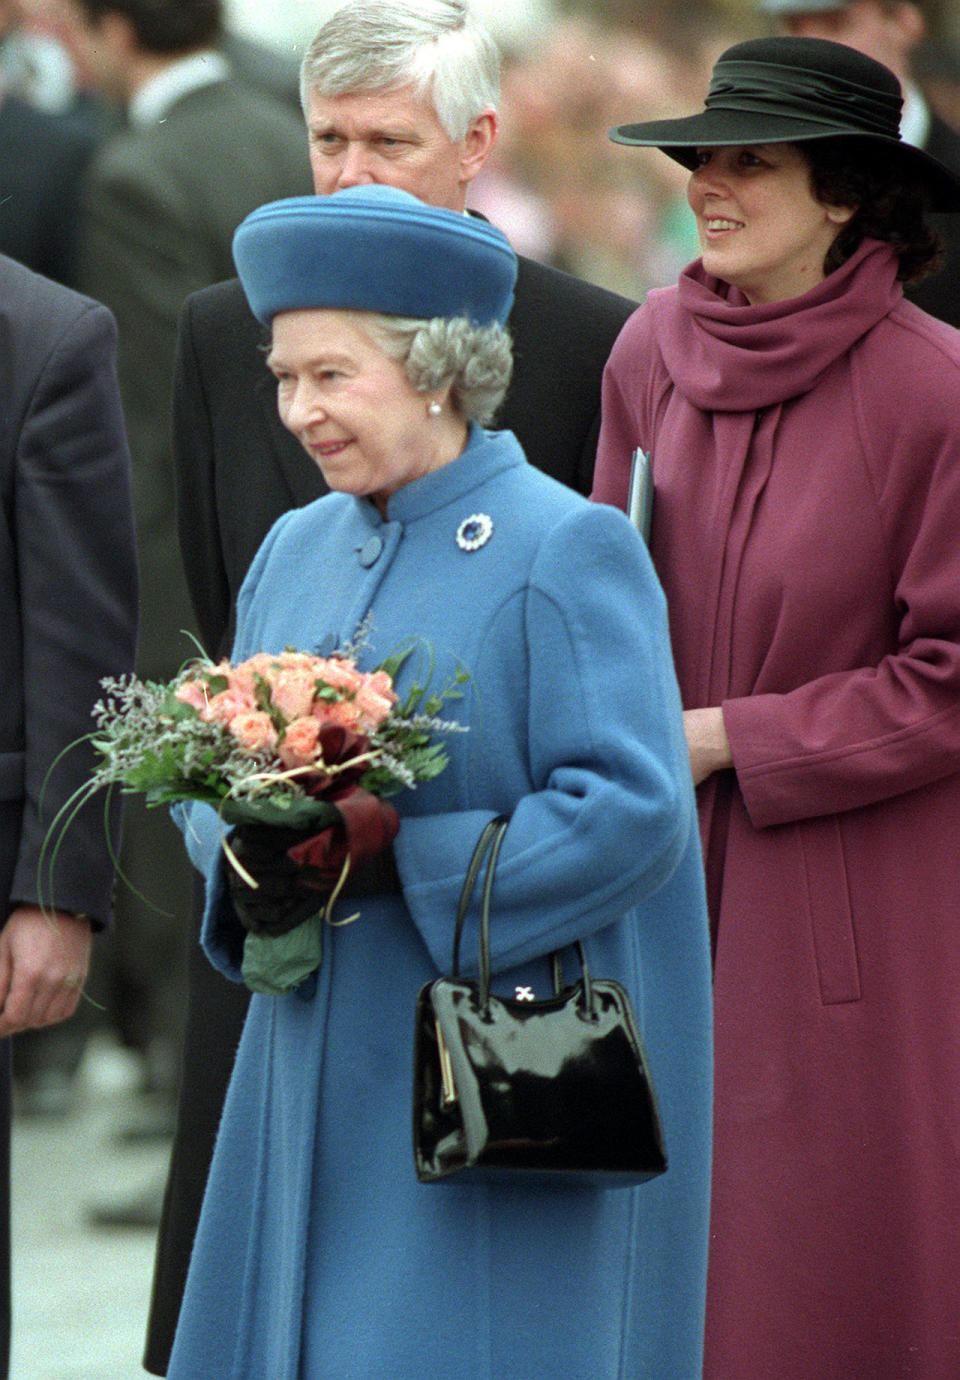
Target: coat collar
<point x="486" y="454"/>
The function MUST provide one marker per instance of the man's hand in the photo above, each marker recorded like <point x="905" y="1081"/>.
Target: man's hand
<point x="44" y="957"/>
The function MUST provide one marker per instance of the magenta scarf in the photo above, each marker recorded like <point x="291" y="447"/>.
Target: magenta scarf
<point x="724" y="355"/>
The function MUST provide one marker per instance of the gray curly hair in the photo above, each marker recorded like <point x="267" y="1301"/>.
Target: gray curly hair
<point x="474" y="362"/>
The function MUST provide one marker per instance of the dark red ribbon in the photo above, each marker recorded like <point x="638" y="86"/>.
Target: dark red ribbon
<point x="367" y="826"/>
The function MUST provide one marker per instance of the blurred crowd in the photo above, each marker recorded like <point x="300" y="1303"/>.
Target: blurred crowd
<point x="558" y="187"/>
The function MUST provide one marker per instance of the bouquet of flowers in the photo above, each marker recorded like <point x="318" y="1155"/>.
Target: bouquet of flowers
<point x="309" y="746"/>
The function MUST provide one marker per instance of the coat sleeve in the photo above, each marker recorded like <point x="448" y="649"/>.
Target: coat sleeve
<point x="203" y="830"/>
<point x="78" y="598"/>
<point x="857" y="737"/>
<point x="141" y="255"/>
<point x="610" y="812"/>
<point x="144" y="249"/>
<point x="198" y="525"/>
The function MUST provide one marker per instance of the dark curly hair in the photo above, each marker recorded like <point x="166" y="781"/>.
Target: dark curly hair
<point x="890" y="198"/>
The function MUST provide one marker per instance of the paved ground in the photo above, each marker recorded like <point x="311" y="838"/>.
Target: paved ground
<point x="80" y="1293"/>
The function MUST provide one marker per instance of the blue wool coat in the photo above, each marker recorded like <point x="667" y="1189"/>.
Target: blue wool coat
<point x="318" y="1253"/>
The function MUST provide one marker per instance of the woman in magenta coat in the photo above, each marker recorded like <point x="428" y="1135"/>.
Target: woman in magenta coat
<point x="803" y="426"/>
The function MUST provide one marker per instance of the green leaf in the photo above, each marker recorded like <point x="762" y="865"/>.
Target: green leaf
<point x="393" y="663"/>
<point x="286" y="811"/>
<point x="275" y="963"/>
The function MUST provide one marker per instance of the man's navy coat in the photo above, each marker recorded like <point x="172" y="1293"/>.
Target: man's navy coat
<point x="68" y="596"/>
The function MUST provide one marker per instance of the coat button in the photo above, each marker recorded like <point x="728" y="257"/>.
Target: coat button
<point x="370" y="551"/>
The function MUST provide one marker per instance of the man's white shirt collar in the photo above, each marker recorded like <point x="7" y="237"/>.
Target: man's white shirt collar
<point x="150" y="104"/>
<point x="915" y="120"/>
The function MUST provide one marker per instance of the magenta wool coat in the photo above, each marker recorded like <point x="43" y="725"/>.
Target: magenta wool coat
<point x="807" y="533"/>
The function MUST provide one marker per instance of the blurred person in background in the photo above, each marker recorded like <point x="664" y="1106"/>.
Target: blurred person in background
<point x="890" y="31"/>
<point x="44" y="149"/>
<point x="262" y="67"/>
<point x="403" y="94"/>
<point x="68" y="605"/>
<point x="43" y="160"/>
<point x="34" y="64"/>
<point x="198" y="150"/>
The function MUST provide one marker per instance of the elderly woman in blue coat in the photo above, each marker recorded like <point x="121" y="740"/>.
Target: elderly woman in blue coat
<point x="319" y="1254"/>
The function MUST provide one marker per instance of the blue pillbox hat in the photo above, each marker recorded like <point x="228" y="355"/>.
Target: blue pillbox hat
<point x="373" y="248"/>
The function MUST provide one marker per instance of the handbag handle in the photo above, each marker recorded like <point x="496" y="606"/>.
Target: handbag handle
<point x="491" y="839"/>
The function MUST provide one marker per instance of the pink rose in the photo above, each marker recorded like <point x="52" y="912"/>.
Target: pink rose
<point x="242" y="676"/>
<point x="344" y="714"/>
<point x="340" y="675"/>
<point x="382" y="684"/>
<point x="298" y="747"/>
<point x="297" y="661"/>
<point x="194" y="693"/>
<point x="372" y="706"/>
<point x="292" y="690"/>
<point x="254" y="731"/>
<point x="225" y="706"/>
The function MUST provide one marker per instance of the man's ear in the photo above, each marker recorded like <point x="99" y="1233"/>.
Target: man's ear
<point x="477" y="144"/>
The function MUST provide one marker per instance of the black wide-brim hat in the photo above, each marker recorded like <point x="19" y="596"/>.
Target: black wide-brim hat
<point x="789" y="91"/>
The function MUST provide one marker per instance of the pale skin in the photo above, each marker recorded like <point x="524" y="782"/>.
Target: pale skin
<point x="707" y="742"/>
<point x="394" y="138"/>
<point x="759" y="225"/>
<point x="332" y="380"/>
<point x="354" y="410"/>
<point x="44" y="958"/>
<point x="762" y="230"/>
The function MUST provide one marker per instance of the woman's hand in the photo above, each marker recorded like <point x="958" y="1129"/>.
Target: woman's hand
<point x="707" y="742"/>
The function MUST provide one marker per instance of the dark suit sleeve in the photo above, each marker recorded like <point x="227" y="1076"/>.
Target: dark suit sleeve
<point x="198" y="525"/>
<point x="563" y="330"/>
<point x="78" y="596"/>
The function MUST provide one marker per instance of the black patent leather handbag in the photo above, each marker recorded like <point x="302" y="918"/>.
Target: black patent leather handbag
<point x="554" y="1087"/>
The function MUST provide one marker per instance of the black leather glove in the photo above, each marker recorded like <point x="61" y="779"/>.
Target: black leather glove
<point x="283" y="897"/>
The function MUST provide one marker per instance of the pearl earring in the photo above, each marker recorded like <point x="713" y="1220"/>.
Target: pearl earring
<point x="435" y="408"/>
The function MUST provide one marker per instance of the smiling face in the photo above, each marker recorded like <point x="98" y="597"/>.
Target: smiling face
<point x="761" y="228"/>
<point x="394" y="138"/>
<point x="352" y="407"/>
